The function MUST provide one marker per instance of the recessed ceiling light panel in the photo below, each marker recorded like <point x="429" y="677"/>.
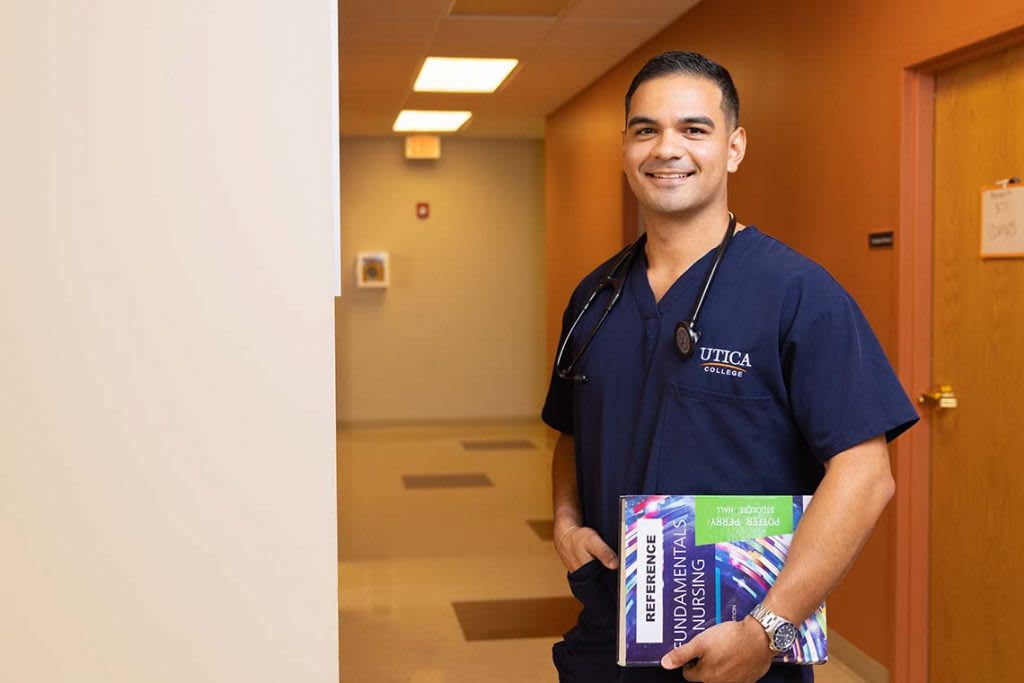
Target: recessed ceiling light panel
<point x="410" y="120"/>
<point x="456" y="74"/>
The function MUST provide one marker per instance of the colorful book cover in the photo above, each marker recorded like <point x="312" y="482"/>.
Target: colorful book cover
<point x="690" y="562"/>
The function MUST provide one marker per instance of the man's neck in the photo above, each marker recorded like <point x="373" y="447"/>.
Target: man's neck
<point x="675" y="243"/>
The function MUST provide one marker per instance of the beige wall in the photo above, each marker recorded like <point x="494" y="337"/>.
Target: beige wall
<point x="167" y="503"/>
<point x="459" y="333"/>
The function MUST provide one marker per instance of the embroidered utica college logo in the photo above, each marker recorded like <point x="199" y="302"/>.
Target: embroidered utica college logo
<point x="724" y="361"/>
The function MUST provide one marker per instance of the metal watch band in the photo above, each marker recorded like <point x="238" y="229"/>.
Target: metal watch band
<point x="769" y="621"/>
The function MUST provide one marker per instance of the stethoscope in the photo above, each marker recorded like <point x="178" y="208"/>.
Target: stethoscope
<point x="687" y="334"/>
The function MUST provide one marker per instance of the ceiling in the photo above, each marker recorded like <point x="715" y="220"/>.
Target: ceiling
<point x="562" y="45"/>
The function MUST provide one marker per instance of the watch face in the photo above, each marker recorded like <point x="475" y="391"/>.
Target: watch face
<point x="785" y="636"/>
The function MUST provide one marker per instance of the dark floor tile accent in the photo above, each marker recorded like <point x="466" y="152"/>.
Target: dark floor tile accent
<point x="526" y="618"/>
<point x="445" y="481"/>
<point x="499" y="445"/>
<point x="544" y="528"/>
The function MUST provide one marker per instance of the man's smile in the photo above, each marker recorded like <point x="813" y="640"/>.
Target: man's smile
<point x="669" y="177"/>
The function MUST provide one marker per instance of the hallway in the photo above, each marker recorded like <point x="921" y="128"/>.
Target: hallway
<point x="446" y="573"/>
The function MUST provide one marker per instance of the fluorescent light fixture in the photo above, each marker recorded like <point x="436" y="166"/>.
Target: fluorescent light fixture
<point x="452" y="74"/>
<point x="410" y="120"/>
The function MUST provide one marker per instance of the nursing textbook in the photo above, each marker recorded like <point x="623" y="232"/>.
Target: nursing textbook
<point x="690" y="562"/>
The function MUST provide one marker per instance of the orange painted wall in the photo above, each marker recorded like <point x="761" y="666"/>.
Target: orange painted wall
<point x="820" y="92"/>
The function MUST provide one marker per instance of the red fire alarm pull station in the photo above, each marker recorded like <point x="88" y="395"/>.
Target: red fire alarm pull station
<point x="423" y="210"/>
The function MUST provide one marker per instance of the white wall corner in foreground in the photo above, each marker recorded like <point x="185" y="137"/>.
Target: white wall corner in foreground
<point x="168" y="200"/>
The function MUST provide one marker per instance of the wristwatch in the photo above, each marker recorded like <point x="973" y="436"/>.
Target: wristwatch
<point x="781" y="633"/>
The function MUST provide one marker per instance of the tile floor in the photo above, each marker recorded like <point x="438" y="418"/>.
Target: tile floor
<point x="415" y="559"/>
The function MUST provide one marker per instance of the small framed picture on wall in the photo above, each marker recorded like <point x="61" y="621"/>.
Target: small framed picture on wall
<point x="372" y="269"/>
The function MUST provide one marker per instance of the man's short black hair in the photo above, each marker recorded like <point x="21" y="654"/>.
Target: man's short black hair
<point x="690" y="64"/>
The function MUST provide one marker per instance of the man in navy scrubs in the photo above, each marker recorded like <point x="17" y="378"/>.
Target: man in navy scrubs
<point x="787" y="390"/>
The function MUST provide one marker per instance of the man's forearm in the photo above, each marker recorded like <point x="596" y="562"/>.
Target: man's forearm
<point x="564" y="489"/>
<point x="857" y="486"/>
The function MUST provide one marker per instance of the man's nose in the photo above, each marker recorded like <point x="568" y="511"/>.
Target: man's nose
<point x="670" y="146"/>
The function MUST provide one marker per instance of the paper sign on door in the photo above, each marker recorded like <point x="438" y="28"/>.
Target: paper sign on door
<point x="1002" y="221"/>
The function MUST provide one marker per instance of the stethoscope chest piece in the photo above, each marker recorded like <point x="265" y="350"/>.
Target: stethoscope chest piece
<point x="686" y="338"/>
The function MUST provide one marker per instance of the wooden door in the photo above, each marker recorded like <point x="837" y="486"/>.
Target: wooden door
<point x="977" y="478"/>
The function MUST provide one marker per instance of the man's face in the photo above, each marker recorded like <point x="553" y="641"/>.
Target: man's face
<point x="678" y="148"/>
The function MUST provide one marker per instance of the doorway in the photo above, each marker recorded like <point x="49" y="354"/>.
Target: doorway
<point x="962" y="325"/>
<point x="977" y="448"/>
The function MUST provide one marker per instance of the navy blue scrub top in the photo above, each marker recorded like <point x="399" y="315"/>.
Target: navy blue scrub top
<point x="786" y="375"/>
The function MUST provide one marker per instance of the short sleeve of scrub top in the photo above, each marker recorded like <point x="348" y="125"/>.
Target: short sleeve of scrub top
<point x="841" y="388"/>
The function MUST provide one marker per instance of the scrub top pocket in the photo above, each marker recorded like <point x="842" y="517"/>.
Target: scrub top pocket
<point x="710" y="443"/>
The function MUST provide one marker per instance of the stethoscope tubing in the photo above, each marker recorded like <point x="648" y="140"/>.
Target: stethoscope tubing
<point x="709" y="278"/>
<point x="608" y="281"/>
<point x="611" y="280"/>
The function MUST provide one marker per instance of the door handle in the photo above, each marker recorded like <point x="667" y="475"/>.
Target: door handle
<point x="945" y="398"/>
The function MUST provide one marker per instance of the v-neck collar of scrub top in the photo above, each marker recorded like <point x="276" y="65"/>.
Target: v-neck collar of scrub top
<point x="641" y="286"/>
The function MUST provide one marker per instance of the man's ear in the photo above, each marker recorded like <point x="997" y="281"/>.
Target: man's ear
<point x="737" y="148"/>
<point x="622" y="151"/>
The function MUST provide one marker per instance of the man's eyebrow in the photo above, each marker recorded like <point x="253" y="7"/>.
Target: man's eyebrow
<point x="702" y="120"/>
<point x="640" y="119"/>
